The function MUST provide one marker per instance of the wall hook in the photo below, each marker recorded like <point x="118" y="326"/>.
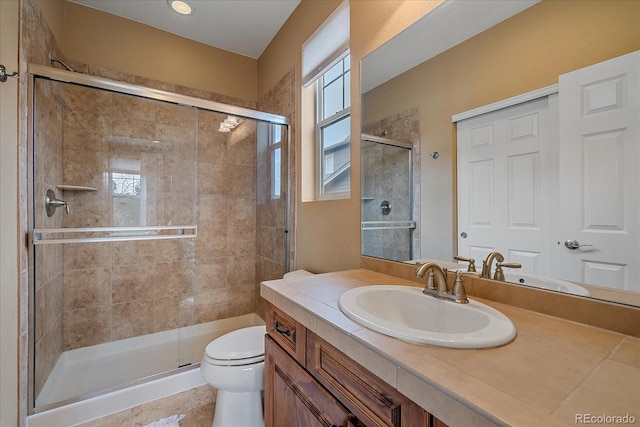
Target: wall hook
<point x="4" y="75"/>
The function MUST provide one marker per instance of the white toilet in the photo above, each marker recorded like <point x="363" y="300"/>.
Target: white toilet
<point x="234" y="365"/>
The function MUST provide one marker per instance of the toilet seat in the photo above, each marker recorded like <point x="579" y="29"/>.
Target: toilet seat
<point x="241" y="347"/>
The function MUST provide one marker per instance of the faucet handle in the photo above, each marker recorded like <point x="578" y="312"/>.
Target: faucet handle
<point x="499" y="274"/>
<point x="458" y="292"/>
<point x="472" y="263"/>
<point x="430" y="285"/>
<point x="51" y="203"/>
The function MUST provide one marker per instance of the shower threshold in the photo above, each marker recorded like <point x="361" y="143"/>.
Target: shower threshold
<point x="90" y="370"/>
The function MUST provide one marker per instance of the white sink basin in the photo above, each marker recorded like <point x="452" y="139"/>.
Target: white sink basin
<point x="404" y="312"/>
<point x="546" y="283"/>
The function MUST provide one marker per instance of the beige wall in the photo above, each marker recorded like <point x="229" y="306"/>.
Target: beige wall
<point x="328" y="232"/>
<point x="104" y="40"/>
<point x="87" y="36"/>
<point x="329" y="236"/>
<point x="522" y="54"/>
<point x="53" y="13"/>
<point x="9" y="264"/>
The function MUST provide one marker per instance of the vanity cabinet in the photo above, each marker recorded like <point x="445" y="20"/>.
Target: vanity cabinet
<point x="309" y="382"/>
<point x="293" y="397"/>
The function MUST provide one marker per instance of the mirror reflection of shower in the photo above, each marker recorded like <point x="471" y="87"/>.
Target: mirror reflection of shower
<point x="172" y="227"/>
<point x="387" y="225"/>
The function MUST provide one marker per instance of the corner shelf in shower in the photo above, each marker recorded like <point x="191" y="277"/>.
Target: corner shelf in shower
<point x="75" y="188"/>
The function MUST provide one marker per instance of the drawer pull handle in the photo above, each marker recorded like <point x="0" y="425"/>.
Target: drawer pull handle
<point x="285" y="332"/>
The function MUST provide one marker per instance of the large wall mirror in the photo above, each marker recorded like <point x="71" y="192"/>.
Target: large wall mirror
<point x="450" y="73"/>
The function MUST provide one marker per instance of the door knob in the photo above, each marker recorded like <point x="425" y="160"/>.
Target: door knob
<point x="574" y="244"/>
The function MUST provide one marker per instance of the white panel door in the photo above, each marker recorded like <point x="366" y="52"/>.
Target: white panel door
<point x="505" y="183"/>
<point x="599" y="178"/>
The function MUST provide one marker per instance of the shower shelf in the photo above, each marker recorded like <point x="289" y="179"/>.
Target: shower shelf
<point x="386" y="225"/>
<point x="122" y="234"/>
<point x="75" y="188"/>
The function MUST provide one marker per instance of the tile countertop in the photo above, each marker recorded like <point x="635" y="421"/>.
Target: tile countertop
<point x="555" y="372"/>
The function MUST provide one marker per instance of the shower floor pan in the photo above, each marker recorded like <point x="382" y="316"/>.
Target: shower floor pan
<point x="90" y="370"/>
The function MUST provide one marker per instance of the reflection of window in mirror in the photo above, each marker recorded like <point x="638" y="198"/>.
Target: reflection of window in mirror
<point x="326" y="146"/>
<point x="328" y="164"/>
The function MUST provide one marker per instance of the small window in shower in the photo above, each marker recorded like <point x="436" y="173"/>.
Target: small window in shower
<point x="125" y="184"/>
<point x="275" y="144"/>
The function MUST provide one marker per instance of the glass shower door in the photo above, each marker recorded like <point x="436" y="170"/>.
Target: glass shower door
<point x="154" y="217"/>
<point x="114" y="208"/>
<point x="386" y="212"/>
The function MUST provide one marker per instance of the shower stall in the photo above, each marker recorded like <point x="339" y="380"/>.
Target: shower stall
<point x="153" y="217"/>
<point x="387" y="223"/>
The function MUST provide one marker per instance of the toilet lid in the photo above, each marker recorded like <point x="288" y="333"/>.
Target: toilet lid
<point x="243" y="343"/>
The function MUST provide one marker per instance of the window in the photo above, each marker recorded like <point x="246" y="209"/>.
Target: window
<point x="326" y="67"/>
<point x="333" y="126"/>
<point x="125" y="184"/>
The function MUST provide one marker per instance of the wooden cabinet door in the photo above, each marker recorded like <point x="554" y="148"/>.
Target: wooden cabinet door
<point x="370" y="399"/>
<point x="293" y="398"/>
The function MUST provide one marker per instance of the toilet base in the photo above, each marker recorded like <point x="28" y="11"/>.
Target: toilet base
<point x="238" y="409"/>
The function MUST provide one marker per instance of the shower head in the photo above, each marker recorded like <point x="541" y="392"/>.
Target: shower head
<point x="66" y="67"/>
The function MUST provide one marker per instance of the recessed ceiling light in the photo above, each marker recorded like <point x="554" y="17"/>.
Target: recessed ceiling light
<point x="181" y="6"/>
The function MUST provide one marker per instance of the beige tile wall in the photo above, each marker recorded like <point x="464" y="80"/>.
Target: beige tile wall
<point x="383" y="180"/>
<point x="117" y="290"/>
<point x="270" y="214"/>
<point x="189" y="173"/>
<point x="36" y="41"/>
<point x="49" y="274"/>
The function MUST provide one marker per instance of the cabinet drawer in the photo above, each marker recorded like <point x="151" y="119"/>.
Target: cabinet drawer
<point x="287" y="332"/>
<point x="370" y="399"/>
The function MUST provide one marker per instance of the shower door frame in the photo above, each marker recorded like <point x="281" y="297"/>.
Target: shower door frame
<point x="63" y="76"/>
<point x="411" y="222"/>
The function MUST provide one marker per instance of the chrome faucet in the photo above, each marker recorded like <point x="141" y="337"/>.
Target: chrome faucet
<point x="436" y="283"/>
<point x="499" y="274"/>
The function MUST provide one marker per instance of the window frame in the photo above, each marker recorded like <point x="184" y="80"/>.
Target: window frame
<point x="322" y="123"/>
